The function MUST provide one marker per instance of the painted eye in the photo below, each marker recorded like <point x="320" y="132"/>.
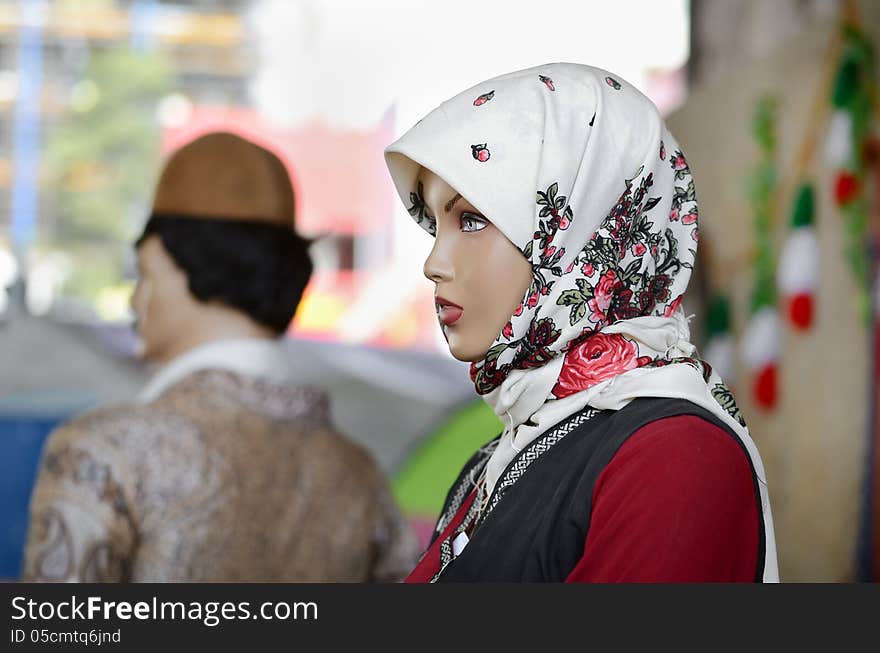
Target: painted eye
<point x="472" y="222"/>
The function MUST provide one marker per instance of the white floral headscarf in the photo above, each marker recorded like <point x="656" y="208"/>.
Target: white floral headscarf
<point x="577" y="169"/>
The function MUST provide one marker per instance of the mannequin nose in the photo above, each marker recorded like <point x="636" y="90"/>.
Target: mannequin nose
<point x="437" y="266"/>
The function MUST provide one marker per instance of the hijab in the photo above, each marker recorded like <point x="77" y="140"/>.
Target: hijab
<point x="578" y="170"/>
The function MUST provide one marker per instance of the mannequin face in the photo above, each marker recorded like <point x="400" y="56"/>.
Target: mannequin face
<point x="480" y="277"/>
<point x="165" y="310"/>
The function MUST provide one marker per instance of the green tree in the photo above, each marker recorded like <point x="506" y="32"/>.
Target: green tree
<point x="101" y="160"/>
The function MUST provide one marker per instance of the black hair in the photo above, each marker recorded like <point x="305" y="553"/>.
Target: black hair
<point x="260" y="269"/>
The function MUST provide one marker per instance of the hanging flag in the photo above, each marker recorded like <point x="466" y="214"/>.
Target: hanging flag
<point x="720" y="346"/>
<point x="838" y="142"/>
<point x="798" y="271"/>
<point x="760" y="346"/>
<point x="853" y="100"/>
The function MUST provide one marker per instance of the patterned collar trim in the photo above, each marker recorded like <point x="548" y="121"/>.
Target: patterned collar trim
<point x="514" y="471"/>
<point x="267" y="359"/>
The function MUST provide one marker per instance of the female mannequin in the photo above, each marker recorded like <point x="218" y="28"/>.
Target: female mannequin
<point x="565" y="221"/>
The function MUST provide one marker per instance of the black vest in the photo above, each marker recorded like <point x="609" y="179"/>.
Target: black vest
<point x="537" y="531"/>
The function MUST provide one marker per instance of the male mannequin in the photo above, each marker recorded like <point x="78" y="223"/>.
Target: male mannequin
<point x="224" y="471"/>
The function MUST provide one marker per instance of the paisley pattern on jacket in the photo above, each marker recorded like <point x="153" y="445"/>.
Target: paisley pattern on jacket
<point x="224" y="477"/>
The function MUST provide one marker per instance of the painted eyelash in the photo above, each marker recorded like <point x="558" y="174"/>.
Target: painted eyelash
<point x="473" y="216"/>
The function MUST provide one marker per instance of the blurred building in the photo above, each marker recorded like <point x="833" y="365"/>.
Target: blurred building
<point x="45" y="46"/>
<point x="211" y="49"/>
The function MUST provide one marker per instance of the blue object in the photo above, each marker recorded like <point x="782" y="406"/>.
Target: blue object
<point x="26" y="128"/>
<point x="26" y="420"/>
<point x="144" y="14"/>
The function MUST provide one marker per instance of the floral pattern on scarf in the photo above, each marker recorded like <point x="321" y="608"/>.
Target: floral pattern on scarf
<point x="635" y="263"/>
<point x="626" y="270"/>
<point x="418" y="211"/>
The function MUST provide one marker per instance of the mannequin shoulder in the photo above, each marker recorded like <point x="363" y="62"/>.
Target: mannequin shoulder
<point x="684" y="450"/>
<point x="113" y="429"/>
<point x="329" y="447"/>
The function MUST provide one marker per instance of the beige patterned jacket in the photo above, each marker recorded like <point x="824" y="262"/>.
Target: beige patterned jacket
<point x="224" y="477"/>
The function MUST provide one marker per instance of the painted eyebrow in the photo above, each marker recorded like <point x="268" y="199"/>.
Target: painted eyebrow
<point x="452" y="202"/>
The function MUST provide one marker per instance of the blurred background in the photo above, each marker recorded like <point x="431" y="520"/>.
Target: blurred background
<point x="766" y="98"/>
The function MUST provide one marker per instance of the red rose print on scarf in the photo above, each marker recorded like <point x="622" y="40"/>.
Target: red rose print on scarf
<point x="603" y="294"/>
<point x="679" y="163"/>
<point x="532" y="299"/>
<point x="485" y="97"/>
<point x="613" y="83"/>
<point x="480" y="152"/>
<point x="596" y="359"/>
<point x="547" y="81"/>
<point x="670" y="310"/>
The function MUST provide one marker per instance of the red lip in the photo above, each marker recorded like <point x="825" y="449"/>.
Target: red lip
<point x="448" y="312"/>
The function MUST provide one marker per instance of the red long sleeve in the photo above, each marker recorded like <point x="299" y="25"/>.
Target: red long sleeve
<point x="676" y="504"/>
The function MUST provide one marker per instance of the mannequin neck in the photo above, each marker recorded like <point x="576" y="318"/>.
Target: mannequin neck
<point x="212" y="322"/>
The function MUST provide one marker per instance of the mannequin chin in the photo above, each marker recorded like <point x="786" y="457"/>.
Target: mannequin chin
<point x="479" y="276"/>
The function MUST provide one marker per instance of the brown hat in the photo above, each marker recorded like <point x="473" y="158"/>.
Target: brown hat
<point x="223" y="176"/>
